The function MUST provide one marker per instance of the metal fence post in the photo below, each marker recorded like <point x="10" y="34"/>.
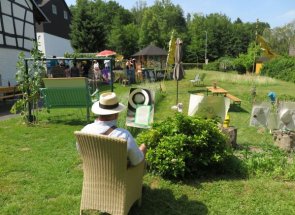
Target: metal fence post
<point x="30" y="116"/>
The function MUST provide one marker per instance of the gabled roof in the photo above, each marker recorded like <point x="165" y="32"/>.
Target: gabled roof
<point x="38" y="13"/>
<point x="151" y="50"/>
<point x="42" y="3"/>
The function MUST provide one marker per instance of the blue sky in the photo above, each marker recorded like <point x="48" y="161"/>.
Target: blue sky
<point x="276" y="12"/>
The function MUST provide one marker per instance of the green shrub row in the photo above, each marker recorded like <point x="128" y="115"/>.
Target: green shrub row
<point x="184" y="146"/>
<point x="224" y="64"/>
<point x="282" y="68"/>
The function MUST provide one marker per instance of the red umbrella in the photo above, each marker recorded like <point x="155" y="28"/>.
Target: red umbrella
<point x="105" y="53"/>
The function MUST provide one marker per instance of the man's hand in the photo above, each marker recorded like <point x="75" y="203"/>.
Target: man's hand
<point x="143" y="148"/>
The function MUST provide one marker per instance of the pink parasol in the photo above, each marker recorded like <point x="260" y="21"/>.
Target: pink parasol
<point x="105" y="53"/>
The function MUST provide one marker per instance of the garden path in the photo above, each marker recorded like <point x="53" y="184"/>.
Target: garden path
<point x="5" y="110"/>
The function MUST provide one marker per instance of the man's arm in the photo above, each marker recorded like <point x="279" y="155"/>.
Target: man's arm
<point x="143" y="148"/>
<point x="135" y="154"/>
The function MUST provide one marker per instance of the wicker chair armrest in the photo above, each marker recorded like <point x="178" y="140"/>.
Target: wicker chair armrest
<point x="134" y="183"/>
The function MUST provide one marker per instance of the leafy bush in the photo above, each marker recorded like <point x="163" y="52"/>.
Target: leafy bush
<point x="245" y="61"/>
<point x="222" y="64"/>
<point x="187" y="66"/>
<point x="282" y="68"/>
<point x="214" y="66"/>
<point x="226" y="64"/>
<point x="183" y="146"/>
<point x="269" y="161"/>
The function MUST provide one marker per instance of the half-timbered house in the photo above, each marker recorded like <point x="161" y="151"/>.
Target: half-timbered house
<point x="17" y="33"/>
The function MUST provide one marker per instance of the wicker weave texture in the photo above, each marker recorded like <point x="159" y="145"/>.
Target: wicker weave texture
<point x="108" y="185"/>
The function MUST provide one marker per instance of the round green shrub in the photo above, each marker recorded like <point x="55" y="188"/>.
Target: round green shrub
<point x="212" y="66"/>
<point x="182" y="146"/>
<point x="282" y="68"/>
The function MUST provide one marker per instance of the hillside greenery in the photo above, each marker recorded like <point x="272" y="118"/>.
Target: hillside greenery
<point x="98" y="25"/>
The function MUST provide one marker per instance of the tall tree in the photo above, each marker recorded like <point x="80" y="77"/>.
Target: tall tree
<point x="223" y="37"/>
<point x="159" y="21"/>
<point x="150" y="30"/>
<point x="196" y="34"/>
<point x="113" y="17"/>
<point x="218" y="27"/>
<point x="123" y="38"/>
<point x="281" y="39"/>
<point x="87" y="34"/>
<point x="138" y="11"/>
<point x="210" y="34"/>
<point x="247" y="60"/>
<point x="240" y="38"/>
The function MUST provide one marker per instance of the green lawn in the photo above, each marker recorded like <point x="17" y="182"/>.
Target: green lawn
<point x="40" y="170"/>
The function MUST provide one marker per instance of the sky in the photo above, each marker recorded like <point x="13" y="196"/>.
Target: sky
<point x="275" y="12"/>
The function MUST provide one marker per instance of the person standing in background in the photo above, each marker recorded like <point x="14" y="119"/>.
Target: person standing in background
<point x="96" y="70"/>
<point x="74" y="71"/>
<point x="51" y="64"/>
<point x="85" y="68"/>
<point x="67" y="71"/>
<point x="107" y="64"/>
<point x="133" y="71"/>
<point x="129" y="66"/>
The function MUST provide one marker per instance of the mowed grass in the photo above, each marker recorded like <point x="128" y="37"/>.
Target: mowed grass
<point x="40" y="169"/>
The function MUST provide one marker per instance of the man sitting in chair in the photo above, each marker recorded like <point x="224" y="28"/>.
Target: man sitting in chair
<point x="108" y="109"/>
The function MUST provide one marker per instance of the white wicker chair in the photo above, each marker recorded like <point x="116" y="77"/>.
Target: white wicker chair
<point x="108" y="185"/>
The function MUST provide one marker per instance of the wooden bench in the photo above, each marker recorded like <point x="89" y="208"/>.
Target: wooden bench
<point x="9" y="93"/>
<point x="235" y="99"/>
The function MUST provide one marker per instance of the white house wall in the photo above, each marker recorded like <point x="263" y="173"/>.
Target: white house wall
<point x="17" y="28"/>
<point x="54" y="46"/>
<point x="8" y="60"/>
<point x="17" y="31"/>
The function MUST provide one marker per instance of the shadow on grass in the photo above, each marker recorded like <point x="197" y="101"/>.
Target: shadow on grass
<point x="232" y="168"/>
<point x="72" y="122"/>
<point x="197" y="91"/>
<point x="237" y="108"/>
<point x="65" y="118"/>
<point x="163" y="201"/>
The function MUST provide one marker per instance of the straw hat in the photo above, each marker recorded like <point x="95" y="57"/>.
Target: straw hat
<point x="108" y="104"/>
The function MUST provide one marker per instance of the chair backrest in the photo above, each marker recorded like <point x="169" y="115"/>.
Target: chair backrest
<point x="66" y="92"/>
<point x="197" y="77"/>
<point x="104" y="172"/>
<point x="108" y="184"/>
<point x="76" y="82"/>
<point x="104" y="158"/>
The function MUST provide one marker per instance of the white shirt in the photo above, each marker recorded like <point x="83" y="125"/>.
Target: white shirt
<point x="135" y="155"/>
<point x="107" y="63"/>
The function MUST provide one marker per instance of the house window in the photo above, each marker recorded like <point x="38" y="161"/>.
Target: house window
<point x="54" y="10"/>
<point x="65" y="15"/>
